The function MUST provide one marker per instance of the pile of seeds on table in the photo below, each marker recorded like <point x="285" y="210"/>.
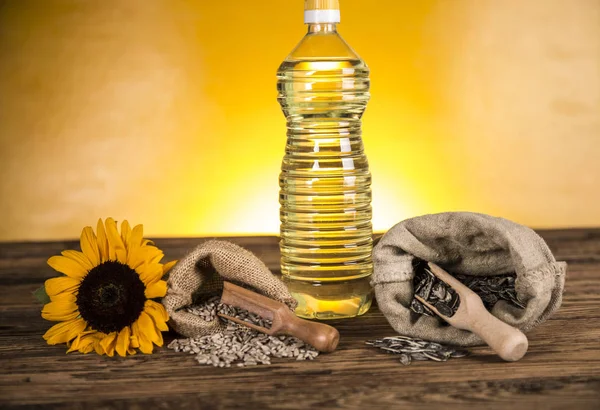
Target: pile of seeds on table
<point x="238" y="344"/>
<point x="411" y="349"/>
<point x="489" y="288"/>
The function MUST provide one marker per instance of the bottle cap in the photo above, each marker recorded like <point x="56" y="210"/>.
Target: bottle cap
<point x="321" y="11"/>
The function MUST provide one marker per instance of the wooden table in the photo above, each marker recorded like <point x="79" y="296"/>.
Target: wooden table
<point x="560" y="371"/>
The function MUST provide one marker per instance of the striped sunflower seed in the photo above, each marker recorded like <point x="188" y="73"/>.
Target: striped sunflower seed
<point x="412" y="349"/>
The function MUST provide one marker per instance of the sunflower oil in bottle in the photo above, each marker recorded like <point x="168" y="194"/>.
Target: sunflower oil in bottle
<point x="325" y="196"/>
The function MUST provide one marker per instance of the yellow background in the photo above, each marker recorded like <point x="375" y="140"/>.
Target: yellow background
<point x="164" y="112"/>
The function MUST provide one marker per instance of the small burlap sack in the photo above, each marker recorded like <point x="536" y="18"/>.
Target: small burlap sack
<point x="200" y="274"/>
<point x="469" y="244"/>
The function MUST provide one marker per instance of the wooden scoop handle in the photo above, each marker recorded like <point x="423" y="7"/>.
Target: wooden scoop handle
<point x="508" y="342"/>
<point x="322" y="337"/>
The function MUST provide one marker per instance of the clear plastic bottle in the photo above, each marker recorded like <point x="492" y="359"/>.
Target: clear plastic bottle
<point x="326" y="232"/>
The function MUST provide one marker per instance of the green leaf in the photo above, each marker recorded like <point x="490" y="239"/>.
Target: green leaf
<point x="41" y="295"/>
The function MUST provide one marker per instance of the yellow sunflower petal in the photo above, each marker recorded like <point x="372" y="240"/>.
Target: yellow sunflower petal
<point x="157" y="257"/>
<point x="123" y="341"/>
<point x="108" y="344"/>
<point x="89" y="245"/>
<point x="125" y="233"/>
<point x="137" y="235"/>
<point x="60" y="310"/>
<point x="55" y="286"/>
<point x="64" y="297"/>
<point x="88" y="344"/>
<point x="102" y="242"/>
<point x="60" y="317"/>
<point x="159" y="340"/>
<point x="131" y="351"/>
<point x="75" y="344"/>
<point x="156" y="289"/>
<point x="87" y="348"/>
<point x="144" y="254"/>
<point x="64" y="331"/>
<point x="145" y="344"/>
<point x="158" y="314"/>
<point x="116" y="246"/>
<point x="82" y="341"/>
<point x="78" y="257"/>
<point x="67" y="266"/>
<point x="152" y="253"/>
<point x="134" y="245"/>
<point x="159" y="308"/>
<point x="98" y="348"/>
<point x="150" y="272"/>
<point x="167" y="266"/>
<point x="134" y="341"/>
<point x="148" y="329"/>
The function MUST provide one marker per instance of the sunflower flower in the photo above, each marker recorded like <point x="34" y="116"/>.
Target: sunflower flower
<point x="104" y="303"/>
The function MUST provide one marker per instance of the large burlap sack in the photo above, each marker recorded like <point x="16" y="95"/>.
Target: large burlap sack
<point x="200" y="274"/>
<point x="469" y="244"/>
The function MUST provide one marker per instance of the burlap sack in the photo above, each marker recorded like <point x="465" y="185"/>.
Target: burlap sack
<point x="200" y="274"/>
<point x="469" y="244"/>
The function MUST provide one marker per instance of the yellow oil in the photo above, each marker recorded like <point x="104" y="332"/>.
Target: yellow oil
<point x="325" y="196"/>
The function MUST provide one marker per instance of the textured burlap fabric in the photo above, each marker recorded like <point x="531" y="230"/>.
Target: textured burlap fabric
<point x="200" y="274"/>
<point x="469" y="244"/>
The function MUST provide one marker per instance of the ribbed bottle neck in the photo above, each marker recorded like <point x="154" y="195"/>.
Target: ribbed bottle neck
<point x="314" y="28"/>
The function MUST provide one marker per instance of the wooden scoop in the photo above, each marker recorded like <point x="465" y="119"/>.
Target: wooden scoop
<point x="508" y="342"/>
<point x="322" y="337"/>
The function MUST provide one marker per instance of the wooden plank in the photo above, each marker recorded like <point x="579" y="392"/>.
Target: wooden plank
<point x="561" y="369"/>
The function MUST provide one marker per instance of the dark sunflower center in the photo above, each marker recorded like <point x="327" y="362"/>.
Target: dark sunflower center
<point x="111" y="296"/>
